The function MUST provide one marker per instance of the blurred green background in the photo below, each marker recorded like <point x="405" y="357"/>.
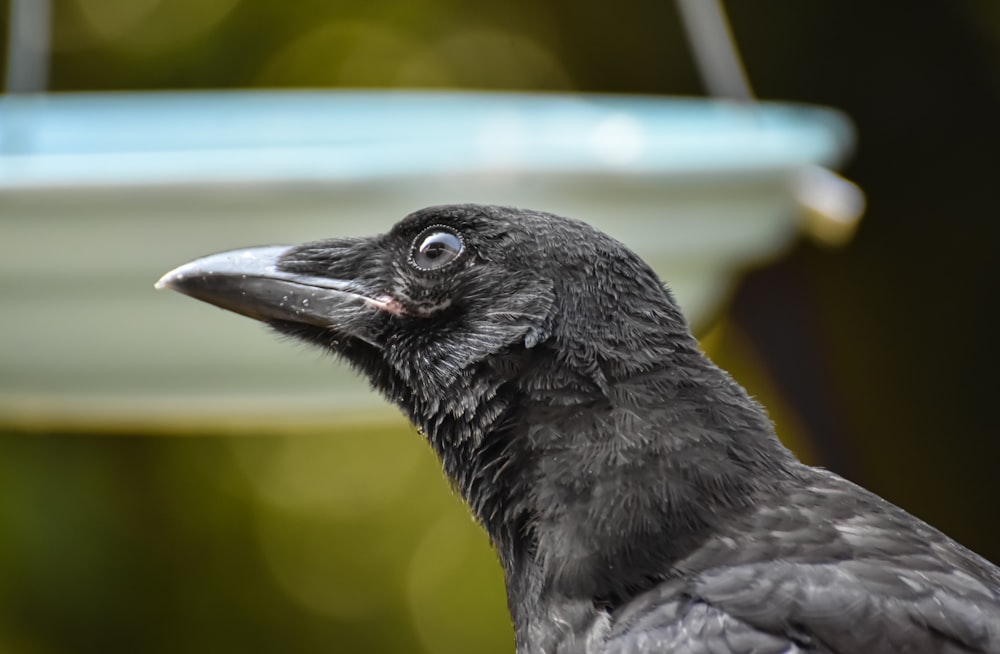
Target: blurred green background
<point x="877" y="359"/>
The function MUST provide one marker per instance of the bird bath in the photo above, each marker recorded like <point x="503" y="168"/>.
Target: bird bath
<point x="101" y="194"/>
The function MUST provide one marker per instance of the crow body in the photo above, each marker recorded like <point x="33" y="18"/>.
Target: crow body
<point x="638" y="499"/>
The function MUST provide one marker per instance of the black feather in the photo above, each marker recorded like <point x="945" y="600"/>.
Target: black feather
<point x="639" y="500"/>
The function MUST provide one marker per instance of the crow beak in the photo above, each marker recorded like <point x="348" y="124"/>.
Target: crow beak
<point x="249" y="282"/>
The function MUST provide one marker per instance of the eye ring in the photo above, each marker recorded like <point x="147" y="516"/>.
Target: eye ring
<point x="436" y="247"/>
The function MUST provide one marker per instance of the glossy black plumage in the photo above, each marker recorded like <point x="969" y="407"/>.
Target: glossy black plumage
<point x="638" y="499"/>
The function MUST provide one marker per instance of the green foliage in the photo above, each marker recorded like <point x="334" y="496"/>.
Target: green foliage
<point x="347" y="542"/>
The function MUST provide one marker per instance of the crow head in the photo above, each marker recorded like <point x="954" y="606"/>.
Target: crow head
<point x="545" y="363"/>
<point x="451" y="313"/>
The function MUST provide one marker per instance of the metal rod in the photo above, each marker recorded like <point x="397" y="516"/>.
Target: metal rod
<point x="28" y="46"/>
<point x="714" y="50"/>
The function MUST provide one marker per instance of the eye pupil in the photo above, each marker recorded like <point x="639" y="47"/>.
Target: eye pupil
<point x="436" y="248"/>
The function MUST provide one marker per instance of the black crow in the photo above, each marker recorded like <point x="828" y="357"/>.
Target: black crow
<point x="637" y="497"/>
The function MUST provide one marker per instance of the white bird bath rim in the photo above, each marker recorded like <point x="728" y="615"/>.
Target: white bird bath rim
<point x="218" y="137"/>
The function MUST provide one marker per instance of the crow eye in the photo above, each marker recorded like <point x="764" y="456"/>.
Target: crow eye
<point x="436" y="248"/>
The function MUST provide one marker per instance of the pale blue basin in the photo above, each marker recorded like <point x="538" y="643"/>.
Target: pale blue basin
<point x="100" y="194"/>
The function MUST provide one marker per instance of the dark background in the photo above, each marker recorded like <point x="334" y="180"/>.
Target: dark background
<point x="878" y="359"/>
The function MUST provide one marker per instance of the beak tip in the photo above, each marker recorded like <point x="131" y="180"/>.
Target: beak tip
<point x="170" y="280"/>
